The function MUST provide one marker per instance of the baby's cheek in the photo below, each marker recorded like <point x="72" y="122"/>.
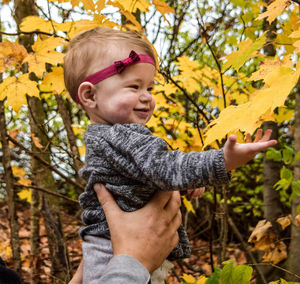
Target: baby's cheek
<point x="123" y="108"/>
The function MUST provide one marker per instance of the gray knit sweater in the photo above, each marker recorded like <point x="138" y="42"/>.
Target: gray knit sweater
<point x="134" y="164"/>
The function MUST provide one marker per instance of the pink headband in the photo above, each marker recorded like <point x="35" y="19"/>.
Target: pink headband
<point x="118" y="67"/>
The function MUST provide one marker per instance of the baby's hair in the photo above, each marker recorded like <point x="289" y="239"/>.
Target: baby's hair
<point x="93" y="44"/>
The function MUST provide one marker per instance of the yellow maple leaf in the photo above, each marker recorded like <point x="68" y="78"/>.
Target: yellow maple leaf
<point x="249" y="116"/>
<point x="129" y="16"/>
<point x="44" y="53"/>
<point x="77" y="129"/>
<point x="284" y="114"/>
<point x="132" y="5"/>
<point x="55" y="80"/>
<point x="88" y="4"/>
<point x="25" y="194"/>
<point x="18" y="172"/>
<point x="83" y="25"/>
<point x="16" y="88"/>
<point x="188" y="205"/>
<point x="247" y="49"/>
<point x="188" y="278"/>
<point x="201" y="280"/>
<point x="167" y="88"/>
<point x="188" y="75"/>
<point x="81" y="150"/>
<point x="163" y="8"/>
<point x="8" y="251"/>
<point x="274" y="10"/>
<point x="297" y="45"/>
<point x="11" y="54"/>
<point x="35" y="23"/>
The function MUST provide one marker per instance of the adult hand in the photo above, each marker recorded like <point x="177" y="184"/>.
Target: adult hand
<point x="148" y="234"/>
<point x="236" y="154"/>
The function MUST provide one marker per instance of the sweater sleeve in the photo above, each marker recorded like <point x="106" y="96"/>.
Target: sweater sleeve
<point x="124" y="269"/>
<point x="142" y="156"/>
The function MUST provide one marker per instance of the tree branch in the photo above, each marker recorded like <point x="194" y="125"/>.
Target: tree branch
<point x="185" y="94"/>
<point x="46" y="164"/>
<point x="296" y="1"/>
<point x="46" y="191"/>
<point x="33" y="32"/>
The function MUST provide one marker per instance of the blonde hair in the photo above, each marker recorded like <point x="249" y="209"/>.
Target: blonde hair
<point x="85" y="47"/>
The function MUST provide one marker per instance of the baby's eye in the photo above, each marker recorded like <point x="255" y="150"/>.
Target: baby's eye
<point x="133" y="87"/>
<point x="150" y="89"/>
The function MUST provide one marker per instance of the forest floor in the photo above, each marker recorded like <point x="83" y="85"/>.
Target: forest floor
<point x="198" y="264"/>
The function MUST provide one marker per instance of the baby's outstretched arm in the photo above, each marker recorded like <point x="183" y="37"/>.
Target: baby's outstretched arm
<point x="236" y="154"/>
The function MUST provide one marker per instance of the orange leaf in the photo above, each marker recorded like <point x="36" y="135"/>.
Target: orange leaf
<point x="36" y="141"/>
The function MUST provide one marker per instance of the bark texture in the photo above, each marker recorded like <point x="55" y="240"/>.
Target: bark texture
<point x="66" y="117"/>
<point x="42" y="177"/>
<point x="11" y="194"/>
<point x="294" y="248"/>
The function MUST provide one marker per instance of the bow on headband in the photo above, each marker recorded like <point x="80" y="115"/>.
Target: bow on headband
<point x="118" y="67"/>
<point x="122" y="64"/>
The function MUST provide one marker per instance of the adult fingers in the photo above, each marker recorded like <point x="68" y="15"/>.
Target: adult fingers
<point x="160" y="199"/>
<point x="172" y="209"/>
<point x="107" y="201"/>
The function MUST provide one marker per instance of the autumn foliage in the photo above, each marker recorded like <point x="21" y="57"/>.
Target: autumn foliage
<point x="214" y="79"/>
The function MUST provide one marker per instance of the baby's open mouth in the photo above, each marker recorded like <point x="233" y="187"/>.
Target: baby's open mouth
<point x="142" y="111"/>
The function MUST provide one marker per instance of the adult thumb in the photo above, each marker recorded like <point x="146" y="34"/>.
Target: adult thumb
<point x="107" y="201"/>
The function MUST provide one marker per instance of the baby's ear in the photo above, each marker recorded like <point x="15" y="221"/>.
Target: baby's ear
<point x="86" y="94"/>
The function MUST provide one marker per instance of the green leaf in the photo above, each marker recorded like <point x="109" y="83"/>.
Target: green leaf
<point x="214" y="277"/>
<point x="274" y="155"/>
<point x="239" y="274"/>
<point x="285" y="173"/>
<point x="296" y="187"/>
<point x="282" y="184"/>
<point x="288" y="155"/>
<point x="297" y="158"/>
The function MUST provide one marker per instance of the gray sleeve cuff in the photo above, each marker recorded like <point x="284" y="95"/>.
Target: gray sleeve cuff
<point x="125" y="269"/>
<point x="222" y="177"/>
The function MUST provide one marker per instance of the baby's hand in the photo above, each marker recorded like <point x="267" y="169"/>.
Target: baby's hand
<point x="236" y="154"/>
<point x="197" y="192"/>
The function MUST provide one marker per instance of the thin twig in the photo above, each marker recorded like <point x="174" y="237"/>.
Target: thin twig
<point x="33" y="32"/>
<point x="276" y="266"/>
<point x="185" y="94"/>
<point x="246" y="249"/>
<point x="296" y="1"/>
<point x="37" y="157"/>
<point x="46" y="191"/>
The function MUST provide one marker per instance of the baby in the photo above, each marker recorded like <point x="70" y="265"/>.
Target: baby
<point x="111" y="74"/>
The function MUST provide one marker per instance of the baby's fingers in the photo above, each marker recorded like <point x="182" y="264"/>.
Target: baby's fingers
<point x="248" y="138"/>
<point x="258" y="135"/>
<point x="267" y="135"/>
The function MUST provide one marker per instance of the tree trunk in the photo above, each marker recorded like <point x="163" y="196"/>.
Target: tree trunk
<point x="271" y="169"/>
<point x="42" y="177"/>
<point x="294" y="248"/>
<point x="272" y="205"/>
<point x="10" y="193"/>
<point x="66" y="117"/>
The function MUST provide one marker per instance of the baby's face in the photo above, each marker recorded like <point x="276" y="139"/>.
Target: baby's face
<point x="126" y="97"/>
